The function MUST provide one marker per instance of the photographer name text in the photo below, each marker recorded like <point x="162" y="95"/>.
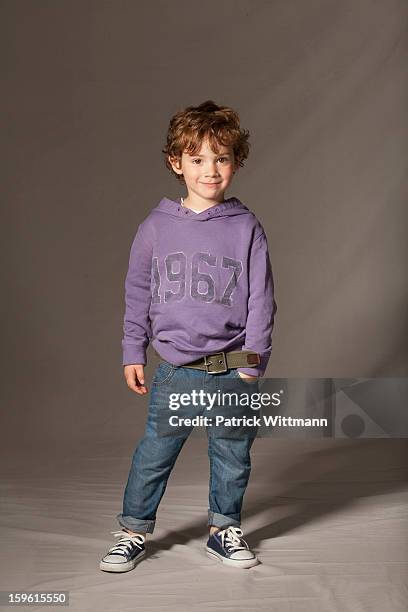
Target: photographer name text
<point x="253" y="421"/>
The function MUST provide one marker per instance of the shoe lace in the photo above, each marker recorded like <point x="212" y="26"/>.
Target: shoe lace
<point x="232" y="540"/>
<point x="126" y="542"/>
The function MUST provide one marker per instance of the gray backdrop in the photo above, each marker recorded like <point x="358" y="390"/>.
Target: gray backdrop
<point x="89" y="90"/>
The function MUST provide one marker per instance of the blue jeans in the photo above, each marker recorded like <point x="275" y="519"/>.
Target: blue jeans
<point x="155" y="455"/>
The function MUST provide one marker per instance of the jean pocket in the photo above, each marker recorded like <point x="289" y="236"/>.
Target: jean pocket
<point x="164" y="373"/>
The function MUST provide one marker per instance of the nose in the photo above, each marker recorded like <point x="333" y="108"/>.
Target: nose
<point x="211" y="169"/>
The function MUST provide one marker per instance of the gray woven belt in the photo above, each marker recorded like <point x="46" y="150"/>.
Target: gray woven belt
<point x="221" y="362"/>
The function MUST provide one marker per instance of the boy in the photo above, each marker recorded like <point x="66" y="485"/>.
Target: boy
<point x="200" y="286"/>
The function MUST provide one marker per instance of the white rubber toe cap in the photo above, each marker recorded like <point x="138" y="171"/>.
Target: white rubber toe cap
<point x="114" y="559"/>
<point x="241" y="555"/>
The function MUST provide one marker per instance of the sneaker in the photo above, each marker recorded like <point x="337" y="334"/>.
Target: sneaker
<point x="228" y="547"/>
<point x="125" y="554"/>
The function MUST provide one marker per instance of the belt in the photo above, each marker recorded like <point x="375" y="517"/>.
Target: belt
<point x="216" y="363"/>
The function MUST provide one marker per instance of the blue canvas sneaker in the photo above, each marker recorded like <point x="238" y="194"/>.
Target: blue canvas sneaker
<point x="228" y="547"/>
<point x="125" y="554"/>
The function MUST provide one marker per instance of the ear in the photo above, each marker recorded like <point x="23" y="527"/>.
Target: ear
<point x="175" y="164"/>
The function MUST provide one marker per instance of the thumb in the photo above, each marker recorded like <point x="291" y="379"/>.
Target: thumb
<point x="140" y="374"/>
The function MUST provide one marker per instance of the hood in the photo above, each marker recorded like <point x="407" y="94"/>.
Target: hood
<point x="228" y="208"/>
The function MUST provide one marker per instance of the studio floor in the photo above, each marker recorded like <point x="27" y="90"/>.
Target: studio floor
<point x="327" y="518"/>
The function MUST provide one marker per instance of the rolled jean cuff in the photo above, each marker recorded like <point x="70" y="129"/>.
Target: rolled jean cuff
<point x="137" y="525"/>
<point x="221" y="520"/>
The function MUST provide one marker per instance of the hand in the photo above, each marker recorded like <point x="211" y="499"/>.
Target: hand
<point x="247" y="376"/>
<point x="134" y="374"/>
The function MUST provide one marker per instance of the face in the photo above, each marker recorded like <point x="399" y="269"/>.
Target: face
<point x="207" y="174"/>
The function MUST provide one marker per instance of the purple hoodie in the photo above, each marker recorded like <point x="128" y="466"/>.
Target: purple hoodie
<point x="199" y="283"/>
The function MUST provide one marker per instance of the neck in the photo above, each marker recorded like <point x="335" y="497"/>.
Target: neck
<point x="200" y="204"/>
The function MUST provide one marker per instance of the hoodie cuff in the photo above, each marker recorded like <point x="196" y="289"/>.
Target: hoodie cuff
<point x="133" y="355"/>
<point x="258" y="370"/>
<point x="250" y="371"/>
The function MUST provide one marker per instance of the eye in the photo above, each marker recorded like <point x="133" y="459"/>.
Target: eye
<point x="196" y="160"/>
<point x="223" y="158"/>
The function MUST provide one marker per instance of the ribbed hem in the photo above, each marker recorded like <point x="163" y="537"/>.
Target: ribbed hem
<point x="133" y="354"/>
<point x="251" y="371"/>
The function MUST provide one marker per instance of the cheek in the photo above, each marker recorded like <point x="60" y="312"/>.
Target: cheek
<point x="189" y="171"/>
<point x="192" y="174"/>
<point x="195" y="172"/>
<point x="227" y="172"/>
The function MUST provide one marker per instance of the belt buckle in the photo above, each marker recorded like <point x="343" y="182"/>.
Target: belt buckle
<point x="220" y="364"/>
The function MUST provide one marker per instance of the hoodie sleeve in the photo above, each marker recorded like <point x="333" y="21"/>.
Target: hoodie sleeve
<point x="136" y="324"/>
<point x="261" y="306"/>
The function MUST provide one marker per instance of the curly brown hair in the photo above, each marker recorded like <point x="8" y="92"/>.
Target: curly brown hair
<point x="189" y="127"/>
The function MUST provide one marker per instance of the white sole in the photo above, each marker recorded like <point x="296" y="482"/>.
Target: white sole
<point x="121" y="567"/>
<point x="238" y="563"/>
